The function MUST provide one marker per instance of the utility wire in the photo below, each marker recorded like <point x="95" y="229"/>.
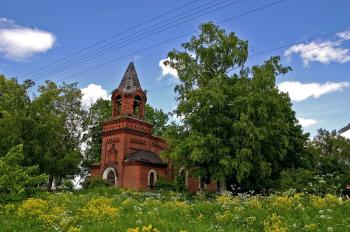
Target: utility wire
<point x="127" y="36"/>
<point x="141" y="32"/>
<point x="172" y="39"/>
<point x="301" y="52"/>
<point x="113" y="36"/>
<point x="112" y="47"/>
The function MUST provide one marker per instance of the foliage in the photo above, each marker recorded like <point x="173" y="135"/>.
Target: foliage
<point x="236" y="125"/>
<point x="99" y="208"/>
<point x="94" y="182"/>
<point x="177" y="184"/>
<point x="327" y="169"/>
<point x="57" y="125"/>
<point x="331" y="152"/>
<point x="50" y="126"/>
<point x="171" y="211"/>
<point x="304" y="180"/>
<point x="99" y="112"/>
<point x="17" y="181"/>
<point x="158" y="118"/>
<point x="14" y="108"/>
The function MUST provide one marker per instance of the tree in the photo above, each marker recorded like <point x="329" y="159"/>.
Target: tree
<point x="54" y="136"/>
<point x="16" y="180"/>
<point x="331" y="152"/>
<point x="158" y="118"/>
<point x="99" y="112"/>
<point x="14" y="108"/>
<point x="327" y="170"/>
<point x="236" y="125"/>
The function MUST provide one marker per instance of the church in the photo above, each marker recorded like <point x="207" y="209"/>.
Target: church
<point x="130" y="153"/>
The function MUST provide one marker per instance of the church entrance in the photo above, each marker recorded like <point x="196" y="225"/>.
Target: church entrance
<point x="110" y="176"/>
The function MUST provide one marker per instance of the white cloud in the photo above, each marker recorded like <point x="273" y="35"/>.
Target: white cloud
<point x="92" y="93"/>
<point x="344" y="35"/>
<point x="321" y="51"/>
<point x="300" y="91"/>
<point x="167" y="70"/>
<point x="18" y="43"/>
<point x="306" y="122"/>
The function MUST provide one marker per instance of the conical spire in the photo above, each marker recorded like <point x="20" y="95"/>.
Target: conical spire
<point x="130" y="81"/>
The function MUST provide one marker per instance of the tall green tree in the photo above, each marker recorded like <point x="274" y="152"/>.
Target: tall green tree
<point x="56" y="133"/>
<point x="236" y="125"/>
<point x="158" y="118"/>
<point x="331" y="152"/>
<point x="14" y="110"/>
<point x="99" y="112"/>
<point x="326" y="166"/>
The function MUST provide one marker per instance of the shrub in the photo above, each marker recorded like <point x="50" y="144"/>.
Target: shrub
<point x="16" y="181"/>
<point x="94" y="182"/>
<point x="310" y="181"/>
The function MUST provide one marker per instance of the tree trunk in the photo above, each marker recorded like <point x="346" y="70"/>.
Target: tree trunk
<point x="221" y="186"/>
<point x="49" y="184"/>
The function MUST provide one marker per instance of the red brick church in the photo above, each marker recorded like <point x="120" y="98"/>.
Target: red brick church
<point x="130" y="153"/>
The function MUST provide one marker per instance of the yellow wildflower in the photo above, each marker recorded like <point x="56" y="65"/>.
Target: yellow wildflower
<point x="74" y="229"/>
<point x="99" y="208"/>
<point x="137" y="229"/>
<point x="148" y="228"/>
<point x="254" y="202"/>
<point x="310" y="227"/>
<point x="274" y="223"/>
<point x="224" y="217"/>
<point x="282" y="201"/>
<point x="32" y="207"/>
<point x="226" y="199"/>
<point x="53" y="216"/>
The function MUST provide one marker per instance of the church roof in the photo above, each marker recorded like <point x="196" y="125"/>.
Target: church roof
<point x="130" y="82"/>
<point x="145" y="156"/>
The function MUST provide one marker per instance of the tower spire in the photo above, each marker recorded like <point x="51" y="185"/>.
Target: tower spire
<point x="129" y="99"/>
<point x="130" y="81"/>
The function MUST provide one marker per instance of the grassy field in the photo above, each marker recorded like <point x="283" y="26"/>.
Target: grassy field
<point x="108" y="209"/>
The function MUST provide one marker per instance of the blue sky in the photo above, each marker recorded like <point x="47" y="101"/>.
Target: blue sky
<point x="36" y="33"/>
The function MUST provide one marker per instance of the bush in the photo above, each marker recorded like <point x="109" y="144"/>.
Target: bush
<point x="303" y="180"/>
<point x="94" y="182"/>
<point x="177" y="185"/>
<point x="16" y="181"/>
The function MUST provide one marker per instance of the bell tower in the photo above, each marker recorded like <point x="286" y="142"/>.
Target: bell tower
<point x="129" y="99"/>
<point x="129" y="152"/>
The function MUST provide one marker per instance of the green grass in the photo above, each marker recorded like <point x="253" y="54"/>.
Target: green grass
<point x="107" y="209"/>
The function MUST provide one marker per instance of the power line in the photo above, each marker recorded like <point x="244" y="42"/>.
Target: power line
<point x="169" y="40"/>
<point x="112" y="46"/>
<point x="301" y="52"/>
<point x="114" y="36"/>
<point x="291" y="44"/>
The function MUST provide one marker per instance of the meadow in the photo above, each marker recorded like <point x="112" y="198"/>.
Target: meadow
<point x="108" y="209"/>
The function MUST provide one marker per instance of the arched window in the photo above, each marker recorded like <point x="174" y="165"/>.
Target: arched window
<point x="119" y="105"/>
<point x="137" y="102"/>
<point x="110" y="176"/>
<point x="152" y="178"/>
